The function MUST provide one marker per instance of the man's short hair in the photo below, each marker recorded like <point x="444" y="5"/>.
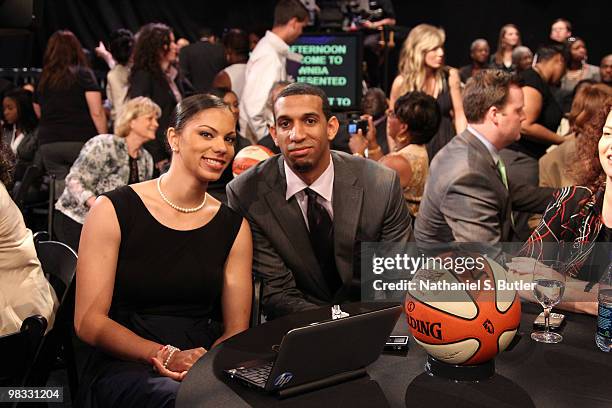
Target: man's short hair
<point x="285" y="10"/>
<point x="518" y="53"/>
<point x="567" y="23"/>
<point x="205" y="32"/>
<point x="550" y="50"/>
<point x="421" y="113"/>
<point x="298" y="88"/>
<point x="486" y="89"/>
<point x="374" y="102"/>
<point x="476" y="42"/>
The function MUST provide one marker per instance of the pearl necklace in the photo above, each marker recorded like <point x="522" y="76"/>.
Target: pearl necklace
<point x="176" y="207"/>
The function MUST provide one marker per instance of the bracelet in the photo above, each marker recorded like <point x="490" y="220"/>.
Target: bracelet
<point x="172" y="351"/>
<point x="358" y="154"/>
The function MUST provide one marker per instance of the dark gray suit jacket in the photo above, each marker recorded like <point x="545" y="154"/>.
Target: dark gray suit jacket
<point x="465" y="199"/>
<point x="368" y="207"/>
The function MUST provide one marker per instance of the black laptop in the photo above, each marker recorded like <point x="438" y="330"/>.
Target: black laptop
<point x="321" y="354"/>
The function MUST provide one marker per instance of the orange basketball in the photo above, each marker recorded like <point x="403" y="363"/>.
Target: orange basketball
<point x="460" y="318"/>
<point x="248" y="157"/>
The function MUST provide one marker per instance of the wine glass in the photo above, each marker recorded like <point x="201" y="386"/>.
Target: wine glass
<point x="548" y="287"/>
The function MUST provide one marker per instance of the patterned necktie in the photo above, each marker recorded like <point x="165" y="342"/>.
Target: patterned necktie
<point x="321" y="231"/>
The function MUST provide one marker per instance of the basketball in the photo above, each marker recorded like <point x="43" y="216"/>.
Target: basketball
<point x="463" y="318"/>
<point x="248" y="157"/>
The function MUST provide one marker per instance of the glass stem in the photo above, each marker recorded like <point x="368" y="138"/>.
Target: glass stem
<point x="546" y="318"/>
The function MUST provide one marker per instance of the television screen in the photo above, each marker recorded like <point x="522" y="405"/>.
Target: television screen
<point x="332" y="62"/>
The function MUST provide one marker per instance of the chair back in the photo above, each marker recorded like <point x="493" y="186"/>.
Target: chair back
<point x="20" y="351"/>
<point x="21" y="188"/>
<point x="58" y="262"/>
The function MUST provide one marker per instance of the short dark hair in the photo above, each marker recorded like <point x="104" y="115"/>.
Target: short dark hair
<point x="374" y="102"/>
<point x="421" y="113"/>
<point x="121" y="44"/>
<point x="567" y="23"/>
<point x="299" y="88"/>
<point x="549" y="50"/>
<point x="485" y="89"/>
<point x="237" y="40"/>
<point x="204" y="32"/>
<point x="191" y="106"/>
<point x="220" y="92"/>
<point x="285" y="10"/>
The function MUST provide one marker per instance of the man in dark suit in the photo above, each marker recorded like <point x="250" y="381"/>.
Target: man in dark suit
<point x="310" y="208"/>
<point x="201" y="61"/>
<point x="467" y="196"/>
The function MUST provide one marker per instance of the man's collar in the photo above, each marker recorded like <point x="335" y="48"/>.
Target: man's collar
<point x="323" y="185"/>
<point x="492" y="149"/>
<point x="277" y="43"/>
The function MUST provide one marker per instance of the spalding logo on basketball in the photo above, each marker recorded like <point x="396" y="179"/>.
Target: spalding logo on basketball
<point x="248" y="157"/>
<point x="470" y="323"/>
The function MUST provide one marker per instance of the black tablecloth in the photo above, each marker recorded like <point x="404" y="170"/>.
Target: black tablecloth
<point x="573" y="373"/>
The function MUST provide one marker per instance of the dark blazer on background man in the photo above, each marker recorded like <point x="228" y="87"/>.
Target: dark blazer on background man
<point x="368" y="206"/>
<point x="465" y="199"/>
<point x="200" y="62"/>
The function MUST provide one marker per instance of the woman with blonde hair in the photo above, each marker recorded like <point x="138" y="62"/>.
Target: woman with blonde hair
<point x="105" y="163"/>
<point x="509" y="39"/>
<point x="421" y="68"/>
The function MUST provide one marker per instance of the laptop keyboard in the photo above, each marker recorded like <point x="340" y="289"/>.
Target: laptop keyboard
<point x="256" y="375"/>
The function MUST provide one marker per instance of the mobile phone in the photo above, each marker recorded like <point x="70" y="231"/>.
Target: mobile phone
<point x="556" y="320"/>
<point x="355" y="124"/>
<point x="397" y="343"/>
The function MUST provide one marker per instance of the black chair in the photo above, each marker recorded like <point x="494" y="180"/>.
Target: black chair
<point x="20" y="351"/>
<point x="58" y="262"/>
<point x="20" y="190"/>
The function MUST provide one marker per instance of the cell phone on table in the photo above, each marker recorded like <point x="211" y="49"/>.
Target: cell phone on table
<point x="556" y="320"/>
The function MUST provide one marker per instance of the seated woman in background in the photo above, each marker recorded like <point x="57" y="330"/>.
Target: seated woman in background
<point x="582" y="216"/>
<point x="161" y="265"/>
<point x="556" y="165"/>
<point x="411" y="123"/>
<point x="105" y="163"/>
<point x="19" y="130"/>
<point x="24" y="290"/>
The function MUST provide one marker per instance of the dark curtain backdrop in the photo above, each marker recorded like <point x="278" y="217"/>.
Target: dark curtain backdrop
<point x="93" y="20"/>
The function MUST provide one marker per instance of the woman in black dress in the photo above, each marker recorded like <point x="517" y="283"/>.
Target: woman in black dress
<point x="421" y="68"/>
<point x="164" y="269"/>
<point x="68" y="101"/>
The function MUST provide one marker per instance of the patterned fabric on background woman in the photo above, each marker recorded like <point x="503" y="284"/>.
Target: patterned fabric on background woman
<point x="579" y="217"/>
<point x="105" y="163"/>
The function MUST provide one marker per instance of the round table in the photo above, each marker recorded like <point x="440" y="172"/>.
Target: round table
<point x="528" y="374"/>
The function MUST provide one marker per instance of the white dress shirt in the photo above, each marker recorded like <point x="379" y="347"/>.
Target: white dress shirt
<point x="323" y="186"/>
<point x="266" y="65"/>
<point x="492" y="149"/>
